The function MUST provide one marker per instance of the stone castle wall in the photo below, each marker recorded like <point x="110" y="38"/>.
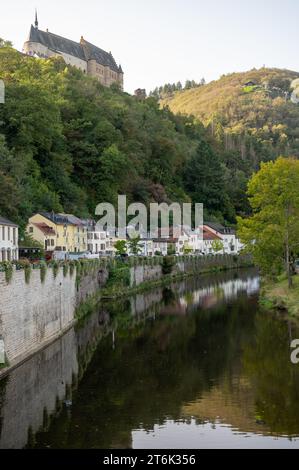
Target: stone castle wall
<point x="104" y="74"/>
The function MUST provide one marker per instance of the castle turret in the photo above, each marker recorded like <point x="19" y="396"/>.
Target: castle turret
<point x="36" y="20"/>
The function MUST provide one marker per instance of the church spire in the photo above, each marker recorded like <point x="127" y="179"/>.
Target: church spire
<point x="36" y="20"/>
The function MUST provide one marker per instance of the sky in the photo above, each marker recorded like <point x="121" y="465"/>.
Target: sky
<point x="162" y="41"/>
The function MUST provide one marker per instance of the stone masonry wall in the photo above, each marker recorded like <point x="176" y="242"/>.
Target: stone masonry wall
<point x="35" y="314"/>
<point x="35" y="388"/>
<point x="141" y="274"/>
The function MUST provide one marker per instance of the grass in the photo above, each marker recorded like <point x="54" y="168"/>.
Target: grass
<point x="250" y="89"/>
<point x="277" y="295"/>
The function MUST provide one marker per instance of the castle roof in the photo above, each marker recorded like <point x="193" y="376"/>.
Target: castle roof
<point x="102" y="57"/>
<point x="84" y="50"/>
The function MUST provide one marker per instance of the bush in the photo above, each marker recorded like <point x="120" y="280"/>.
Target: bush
<point x="168" y="264"/>
<point x="65" y="269"/>
<point x="7" y="267"/>
<point x="43" y="272"/>
<point x="26" y="266"/>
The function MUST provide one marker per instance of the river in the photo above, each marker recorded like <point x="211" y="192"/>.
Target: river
<point x="196" y="365"/>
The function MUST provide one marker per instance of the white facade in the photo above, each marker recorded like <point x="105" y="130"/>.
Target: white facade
<point x="8" y="241"/>
<point x="189" y="241"/>
<point x="160" y="247"/>
<point x="147" y="247"/>
<point x="231" y="244"/>
<point x="97" y="242"/>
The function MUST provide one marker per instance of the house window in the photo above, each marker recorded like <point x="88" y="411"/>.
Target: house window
<point x="31" y="230"/>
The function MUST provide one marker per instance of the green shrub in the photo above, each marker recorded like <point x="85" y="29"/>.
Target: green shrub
<point x="72" y="268"/>
<point x="55" y="267"/>
<point x="7" y="267"/>
<point x="168" y="264"/>
<point x="26" y="266"/>
<point x="65" y="269"/>
<point x="43" y="272"/>
<point x="27" y="270"/>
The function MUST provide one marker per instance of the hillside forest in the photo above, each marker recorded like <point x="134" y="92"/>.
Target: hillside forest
<point x="67" y="143"/>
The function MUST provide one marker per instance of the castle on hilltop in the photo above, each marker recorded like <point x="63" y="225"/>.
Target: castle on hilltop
<point x="85" y="56"/>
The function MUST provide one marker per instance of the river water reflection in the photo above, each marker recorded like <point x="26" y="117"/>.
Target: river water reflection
<point x="195" y="365"/>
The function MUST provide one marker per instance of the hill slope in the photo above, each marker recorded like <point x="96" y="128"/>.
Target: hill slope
<point x="258" y="119"/>
<point x="68" y="144"/>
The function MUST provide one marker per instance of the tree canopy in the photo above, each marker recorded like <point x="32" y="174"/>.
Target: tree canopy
<point x="67" y="144"/>
<point x="272" y="232"/>
<point x="249" y="113"/>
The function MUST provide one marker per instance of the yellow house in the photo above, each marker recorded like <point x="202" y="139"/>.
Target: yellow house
<point x="70" y="232"/>
<point x="42" y="233"/>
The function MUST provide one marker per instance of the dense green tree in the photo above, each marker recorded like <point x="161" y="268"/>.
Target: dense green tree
<point x="134" y="245"/>
<point x="121" y="247"/>
<point x="4" y="43"/>
<point x="259" y="122"/>
<point x="68" y="143"/>
<point x="204" y="181"/>
<point x="272" y="232"/>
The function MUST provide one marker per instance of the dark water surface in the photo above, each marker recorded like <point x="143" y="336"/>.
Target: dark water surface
<point x="196" y="365"/>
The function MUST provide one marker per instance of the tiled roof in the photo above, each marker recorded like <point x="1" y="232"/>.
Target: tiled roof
<point x="207" y="235"/>
<point x="220" y="228"/>
<point x="62" y="219"/>
<point x="45" y="229"/>
<point x="4" y="221"/>
<point x="84" y="50"/>
<point x="171" y="237"/>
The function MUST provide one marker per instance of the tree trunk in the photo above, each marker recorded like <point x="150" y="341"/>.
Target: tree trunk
<point x="288" y="265"/>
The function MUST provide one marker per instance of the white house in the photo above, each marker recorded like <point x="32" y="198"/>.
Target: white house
<point x="231" y="244"/>
<point x="190" y="241"/>
<point x="179" y="239"/>
<point x="8" y="240"/>
<point x="147" y="247"/>
<point x="97" y="240"/>
<point x="208" y="240"/>
<point x="160" y="246"/>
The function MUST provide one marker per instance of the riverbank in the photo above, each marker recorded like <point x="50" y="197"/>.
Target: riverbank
<point x="277" y="296"/>
<point x="118" y="287"/>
